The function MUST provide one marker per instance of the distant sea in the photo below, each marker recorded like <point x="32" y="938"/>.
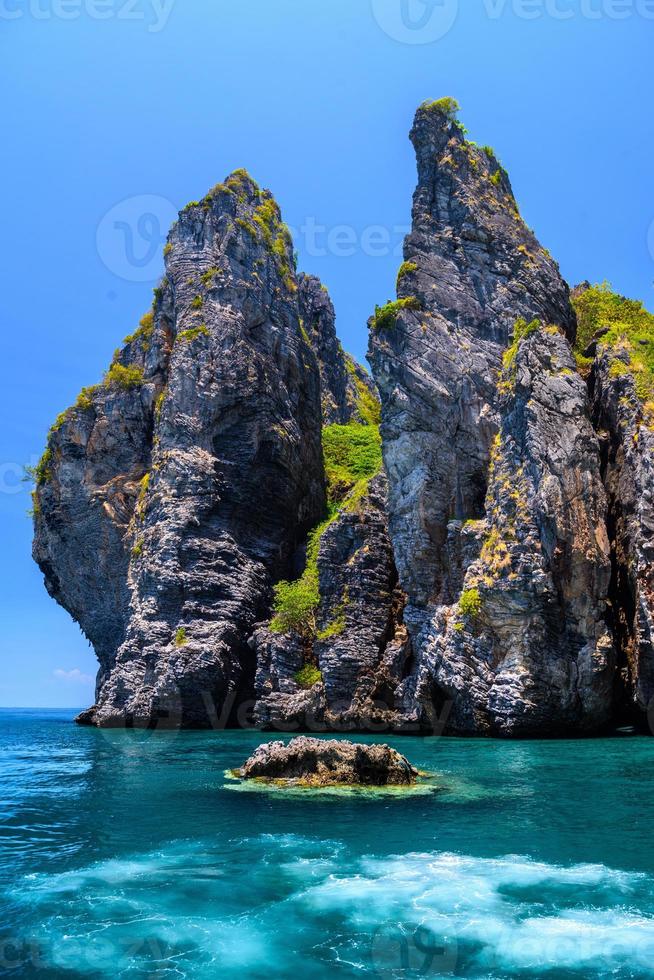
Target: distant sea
<point x="126" y="854"/>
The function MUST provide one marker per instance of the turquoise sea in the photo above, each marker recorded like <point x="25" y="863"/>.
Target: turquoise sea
<point x="126" y="854"/>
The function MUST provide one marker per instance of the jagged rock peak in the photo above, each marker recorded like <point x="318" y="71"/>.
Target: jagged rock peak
<point x="464" y="195"/>
<point x="472" y="269"/>
<point x="474" y="280"/>
<point x="348" y="393"/>
<point x="176" y="492"/>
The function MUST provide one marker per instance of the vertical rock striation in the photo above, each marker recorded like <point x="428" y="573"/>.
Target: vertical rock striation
<point x="338" y="666"/>
<point x="628" y="458"/>
<point x="224" y="406"/>
<point x="526" y="649"/>
<point x="615" y="350"/>
<point x="474" y="273"/>
<point x="240" y="527"/>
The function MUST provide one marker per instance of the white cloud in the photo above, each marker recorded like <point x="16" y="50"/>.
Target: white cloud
<point x="74" y="676"/>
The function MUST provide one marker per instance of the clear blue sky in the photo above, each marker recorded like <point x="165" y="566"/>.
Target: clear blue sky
<point x="129" y="110"/>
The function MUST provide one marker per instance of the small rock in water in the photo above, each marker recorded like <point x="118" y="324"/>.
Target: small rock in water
<point x="319" y="762"/>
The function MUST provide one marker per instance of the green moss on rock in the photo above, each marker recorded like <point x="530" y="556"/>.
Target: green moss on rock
<point x="406" y="269"/>
<point x="448" y="106"/>
<point x="386" y="316"/>
<point x="187" y="336"/>
<point x="308" y="677"/>
<point x="124" y="376"/>
<point x="628" y="336"/>
<point x="352" y="456"/>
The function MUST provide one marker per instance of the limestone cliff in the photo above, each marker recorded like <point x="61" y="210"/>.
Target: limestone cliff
<point x="526" y="649"/>
<point x="615" y="351"/>
<point x="175" y="493"/>
<point x="333" y="654"/>
<point x="472" y="268"/>
<point x="249" y="529"/>
<point x="498" y="513"/>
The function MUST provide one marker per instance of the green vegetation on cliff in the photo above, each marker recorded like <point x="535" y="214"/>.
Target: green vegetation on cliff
<point x="124" y="376"/>
<point x="447" y="105"/>
<point x="627" y="332"/>
<point x="40" y="473"/>
<point x="352" y="455"/>
<point x="405" y="270"/>
<point x="308" y="676"/>
<point x="338" y="624"/>
<point x="368" y="404"/>
<point x="386" y="316"/>
<point x="193" y="333"/>
<point x="85" y="398"/>
<point x="470" y="603"/>
<point x="296" y="602"/>
<point x="521" y="331"/>
<point x="143" y="332"/>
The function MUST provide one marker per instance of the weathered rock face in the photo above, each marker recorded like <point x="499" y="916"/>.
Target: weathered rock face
<point x="217" y="518"/>
<point x="220" y="422"/>
<point x="496" y="500"/>
<point x="526" y="650"/>
<point x="84" y="504"/>
<point x="472" y="269"/>
<point x="347" y="391"/>
<point x="360" y="647"/>
<point x="316" y="762"/>
<point x="627" y="442"/>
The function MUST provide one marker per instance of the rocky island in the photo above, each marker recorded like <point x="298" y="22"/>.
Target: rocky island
<point x="315" y="762"/>
<point x="238" y="515"/>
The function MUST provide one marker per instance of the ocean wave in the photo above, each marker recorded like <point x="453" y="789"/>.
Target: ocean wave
<point x="279" y="903"/>
<point x="510" y="915"/>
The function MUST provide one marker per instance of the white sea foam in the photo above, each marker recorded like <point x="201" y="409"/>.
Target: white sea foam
<point x="508" y="914"/>
<point x="305" y="903"/>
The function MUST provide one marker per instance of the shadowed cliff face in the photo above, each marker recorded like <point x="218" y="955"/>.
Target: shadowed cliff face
<point x="184" y="487"/>
<point x="497" y="510"/>
<point x="353" y="644"/>
<point x="622" y="414"/>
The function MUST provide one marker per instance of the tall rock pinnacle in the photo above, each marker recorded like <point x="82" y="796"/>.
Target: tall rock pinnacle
<point x="473" y="273"/>
<point x="175" y="493"/>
